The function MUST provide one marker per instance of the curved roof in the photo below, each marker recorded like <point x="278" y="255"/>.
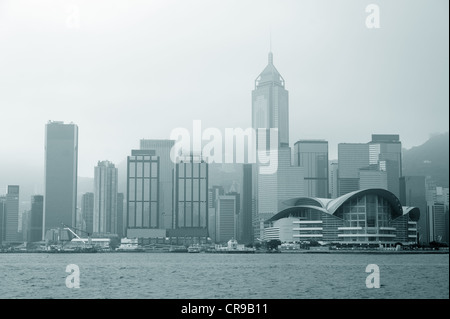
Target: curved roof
<point x="292" y="210"/>
<point x="330" y="206"/>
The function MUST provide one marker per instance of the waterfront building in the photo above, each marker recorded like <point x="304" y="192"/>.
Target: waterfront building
<point x="37" y="214"/>
<point x="143" y="217"/>
<point x="105" y="198"/>
<point x="12" y="215"/>
<point x="162" y="149"/>
<point x="61" y="162"/>
<point x="190" y="200"/>
<point x="87" y="212"/>
<point x="371" y="216"/>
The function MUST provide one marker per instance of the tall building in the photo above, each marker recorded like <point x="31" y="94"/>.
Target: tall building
<point x="333" y="181"/>
<point x="24" y="234"/>
<point x="370" y="177"/>
<point x="61" y="162"/>
<point x="351" y="158"/>
<point x="246" y="212"/>
<point x="162" y="149"/>
<point x="143" y="213"/>
<point x="385" y="150"/>
<point x="12" y="215"/>
<point x="437" y="221"/>
<point x="105" y="198"/>
<point x="312" y="155"/>
<point x="270" y="110"/>
<point x="226" y="218"/>
<point x="270" y="103"/>
<point x="120" y="216"/>
<point x="37" y="213"/>
<point x="2" y="218"/>
<point x="87" y="212"/>
<point x="190" y="218"/>
<point x="413" y="193"/>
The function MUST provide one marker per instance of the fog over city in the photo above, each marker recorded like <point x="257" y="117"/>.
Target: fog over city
<point x="127" y="70"/>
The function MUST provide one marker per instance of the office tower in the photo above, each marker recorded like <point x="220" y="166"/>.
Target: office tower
<point x="143" y="214"/>
<point x="413" y="194"/>
<point x="246" y="212"/>
<point x="351" y="158"/>
<point x="26" y="223"/>
<point x="105" y="198"/>
<point x="213" y="194"/>
<point x="385" y="151"/>
<point x="333" y="182"/>
<point x="437" y="221"/>
<point x="270" y="110"/>
<point x="120" y="216"/>
<point x="312" y="155"/>
<point x="37" y="213"/>
<point x="162" y="149"/>
<point x="190" y="220"/>
<point x="226" y="218"/>
<point x="372" y="178"/>
<point x="2" y="218"/>
<point x="270" y="103"/>
<point x="61" y="160"/>
<point x="12" y="214"/>
<point x="87" y="212"/>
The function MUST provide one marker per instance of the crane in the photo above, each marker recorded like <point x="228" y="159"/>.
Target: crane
<point x="89" y="242"/>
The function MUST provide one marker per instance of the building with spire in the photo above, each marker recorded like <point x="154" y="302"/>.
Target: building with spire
<point x="270" y="110"/>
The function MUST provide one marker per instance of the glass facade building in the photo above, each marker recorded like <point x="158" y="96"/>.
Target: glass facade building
<point x="61" y="163"/>
<point x="142" y="190"/>
<point x="312" y="155"/>
<point x="371" y="216"/>
<point x="105" y="198"/>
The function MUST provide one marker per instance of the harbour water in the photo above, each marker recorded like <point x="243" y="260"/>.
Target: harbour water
<point x="220" y="276"/>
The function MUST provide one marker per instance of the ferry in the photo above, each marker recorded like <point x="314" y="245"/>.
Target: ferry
<point x="129" y="245"/>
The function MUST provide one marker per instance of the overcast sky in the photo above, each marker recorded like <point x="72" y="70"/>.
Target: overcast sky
<point x="123" y="70"/>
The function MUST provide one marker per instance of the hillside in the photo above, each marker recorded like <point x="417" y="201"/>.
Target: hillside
<point x="429" y="159"/>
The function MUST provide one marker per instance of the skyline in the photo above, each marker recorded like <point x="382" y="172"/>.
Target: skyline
<point x="124" y="70"/>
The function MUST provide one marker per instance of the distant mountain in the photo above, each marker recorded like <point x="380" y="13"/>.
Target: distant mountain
<point x="429" y="159"/>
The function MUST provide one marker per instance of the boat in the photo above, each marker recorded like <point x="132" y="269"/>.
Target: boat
<point x="232" y="248"/>
<point x="194" y="249"/>
<point x="129" y="245"/>
<point x="178" y="249"/>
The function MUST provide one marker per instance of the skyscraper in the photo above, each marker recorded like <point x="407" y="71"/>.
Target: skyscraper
<point x="37" y="212"/>
<point x="226" y="218"/>
<point x="105" y="198"/>
<point x="351" y="158"/>
<point x="246" y="213"/>
<point x="386" y="152"/>
<point x="312" y="155"/>
<point x="143" y="217"/>
<point x="333" y="182"/>
<point x="12" y="214"/>
<point x="87" y="212"/>
<point x="190" y="220"/>
<point x="61" y="160"/>
<point x="120" y="216"/>
<point x="270" y="103"/>
<point x="162" y="149"/>
<point x="270" y="110"/>
<point x="2" y="218"/>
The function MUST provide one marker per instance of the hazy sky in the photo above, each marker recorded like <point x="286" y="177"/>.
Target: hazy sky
<point x="125" y="70"/>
